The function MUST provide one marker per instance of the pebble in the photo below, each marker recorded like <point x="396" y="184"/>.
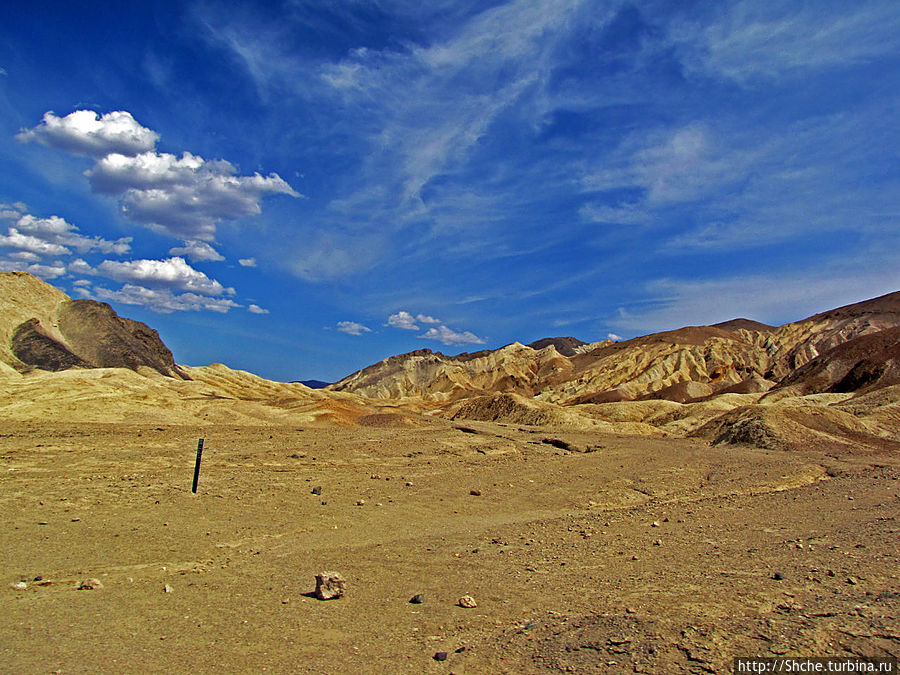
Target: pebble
<point x="317" y="490"/>
<point x="19" y="586"/>
<point x="467" y="601"/>
<point x="89" y="585"/>
<point x="852" y="581"/>
<point x="440" y="656"/>
<point x="655" y="523"/>
<point x="475" y="493"/>
<point x="360" y="502"/>
<point x="417" y="599"/>
<point x="168" y="589"/>
<point x="778" y="576"/>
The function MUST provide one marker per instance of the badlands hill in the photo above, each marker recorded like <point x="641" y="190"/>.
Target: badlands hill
<point x="691" y="363"/>
<point x="832" y="378"/>
<point x="64" y="360"/>
<point x="41" y="327"/>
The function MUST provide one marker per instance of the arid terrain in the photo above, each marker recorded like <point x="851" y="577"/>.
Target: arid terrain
<point x="661" y="505"/>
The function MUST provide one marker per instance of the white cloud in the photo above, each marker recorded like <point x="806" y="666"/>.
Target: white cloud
<point x="247" y="262"/>
<point x="172" y="273"/>
<point x="80" y="266"/>
<point x="55" y="230"/>
<point x="25" y="256"/>
<point x="352" y="328"/>
<point x="753" y="40"/>
<point x="53" y="236"/>
<point x="183" y="197"/>
<point x="164" y="301"/>
<point x="85" y="132"/>
<point x="451" y="337"/>
<point x="256" y="309"/>
<point x="51" y="271"/>
<point x="26" y="242"/>
<point x="422" y="318"/>
<point x="12" y="211"/>
<point x="614" y="337"/>
<point x="197" y="251"/>
<point x="403" y="320"/>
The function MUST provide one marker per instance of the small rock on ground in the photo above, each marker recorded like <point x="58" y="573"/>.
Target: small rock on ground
<point x="467" y="601"/>
<point x="329" y="585"/>
<point x="89" y="585"/>
<point x="417" y="599"/>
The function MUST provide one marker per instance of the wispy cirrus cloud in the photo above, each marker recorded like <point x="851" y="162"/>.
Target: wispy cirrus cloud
<point x="751" y="41"/>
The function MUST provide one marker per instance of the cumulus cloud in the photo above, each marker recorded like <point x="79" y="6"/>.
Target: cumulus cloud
<point x="451" y="337"/>
<point x="256" y="309"/>
<point x="54" y="236"/>
<point x="24" y="242"/>
<point x="197" y="251"/>
<point x="85" y="132"/>
<point x="184" y="197"/>
<point x="171" y="273"/>
<point x="422" y="318"/>
<point x="403" y="320"/>
<point x="163" y="300"/>
<point x="51" y="271"/>
<point x="247" y="262"/>
<point x="80" y="266"/>
<point x="352" y="328"/>
<point x="614" y="337"/>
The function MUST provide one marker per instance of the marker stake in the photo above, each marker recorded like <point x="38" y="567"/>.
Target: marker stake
<point x="197" y="465"/>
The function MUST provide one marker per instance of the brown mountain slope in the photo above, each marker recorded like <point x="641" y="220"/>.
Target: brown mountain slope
<point x="41" y="327"/>
<point x="682" y="365"/>
<point x="867" y="362"/>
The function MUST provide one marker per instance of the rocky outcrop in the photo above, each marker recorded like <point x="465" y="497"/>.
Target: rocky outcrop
<point x="41" y="327"/>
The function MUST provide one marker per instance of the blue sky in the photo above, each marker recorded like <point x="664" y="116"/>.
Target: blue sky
<point x="303" y="188"/>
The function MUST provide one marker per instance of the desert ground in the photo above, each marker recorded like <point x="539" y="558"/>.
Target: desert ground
<point x="585" y="552"/>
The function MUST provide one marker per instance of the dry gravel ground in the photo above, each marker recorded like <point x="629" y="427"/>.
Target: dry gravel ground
<point x="617" y="555"/>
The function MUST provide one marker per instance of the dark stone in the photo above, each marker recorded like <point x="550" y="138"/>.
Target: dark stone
<point x="440" y="656"/>
<point x="417" y="599"/>
<point x="317" y="490"/>
<point x="778" y="576"/>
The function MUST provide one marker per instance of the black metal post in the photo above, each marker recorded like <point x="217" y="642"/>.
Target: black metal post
<point x="197" y="465"/>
